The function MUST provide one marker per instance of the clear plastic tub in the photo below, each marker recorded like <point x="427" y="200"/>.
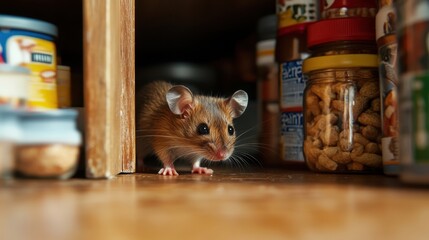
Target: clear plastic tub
<point x="49" y="146"/>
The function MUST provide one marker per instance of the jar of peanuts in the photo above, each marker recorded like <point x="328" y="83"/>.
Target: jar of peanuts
<point x="342" y="125"/>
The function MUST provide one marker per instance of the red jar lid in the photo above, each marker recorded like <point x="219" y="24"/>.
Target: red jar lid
<point x="297" y="29"/>
<point x="341" y="29"/>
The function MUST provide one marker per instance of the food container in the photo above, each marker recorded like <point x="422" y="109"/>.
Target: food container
<point x="31" y="43"/>
<point x="387" y="52"/>
<point x="291" y="12"/>
<point x="413" y="73"/>
<point x="268" y="89"/>
<point x="63" y="86"/>
<point x="9" y="135"/>
<point x="347" y="8"/>
<point x="291" y="50"/>
<point x="49" y="146"/>
<point x="342" y="36"/>
<point x="342" y="113"/>
<point x="385" y="21"/>
<point x="14" y="85"/>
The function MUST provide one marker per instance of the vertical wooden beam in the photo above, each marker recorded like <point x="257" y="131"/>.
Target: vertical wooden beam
<point x="106" y="83"/>
<point x="127" y="111"/>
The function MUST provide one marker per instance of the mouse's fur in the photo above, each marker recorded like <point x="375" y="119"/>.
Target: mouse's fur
<point x="168" y="122"/>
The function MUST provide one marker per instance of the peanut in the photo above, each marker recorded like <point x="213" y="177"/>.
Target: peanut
<point x="343" y="126"/>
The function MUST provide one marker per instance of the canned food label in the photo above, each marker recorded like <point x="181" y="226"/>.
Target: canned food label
<point x="291" y="12"/>
<point x="414" y="118"/>
<point x="385" y="21"/>
<point x="39" y="56"/>
<point x="292" y="84"/>
<point x="292" y="136"/>
<point x="389" y="104"/>
<point x="292" y="91"/>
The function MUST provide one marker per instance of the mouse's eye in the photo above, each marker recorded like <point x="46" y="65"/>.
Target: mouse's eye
<point x="203" y="129"/>
<point x="230" y="130"/>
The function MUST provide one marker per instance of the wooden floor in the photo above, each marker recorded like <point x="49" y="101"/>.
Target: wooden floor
<point x="262" y="204"/>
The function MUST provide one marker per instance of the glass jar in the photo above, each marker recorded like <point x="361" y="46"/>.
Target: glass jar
<point x="342" y="126"/>
<point x="49" y="144"/>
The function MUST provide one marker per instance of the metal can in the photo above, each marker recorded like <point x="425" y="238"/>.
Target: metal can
<point x="387" y="50"/>
<point x="413" y="72"/>
<point x="14" y="85"/>
<point x="291" y="50"/>
<point x="31" y="43"/>
<point x="389" y="103"/>
<point x="291" y="12"/>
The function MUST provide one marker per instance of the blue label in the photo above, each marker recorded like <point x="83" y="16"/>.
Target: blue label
<point x="5" y="34"/>
<point x="292" y="84"/>
<point x="292" y="135"/>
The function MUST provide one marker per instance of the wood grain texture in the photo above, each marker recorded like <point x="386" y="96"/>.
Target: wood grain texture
<point x="102" y="88"/>
<point x="227" y="205"/>
<point x="128" y="141"/>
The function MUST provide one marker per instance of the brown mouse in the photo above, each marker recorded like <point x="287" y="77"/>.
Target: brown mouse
<point x="174" y="123"/>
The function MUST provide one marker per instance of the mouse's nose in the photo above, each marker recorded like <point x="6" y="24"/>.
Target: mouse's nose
<point x="221" y="154"/>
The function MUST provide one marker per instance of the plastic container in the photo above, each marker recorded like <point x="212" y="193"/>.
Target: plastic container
<point x="342" y="113"/>
<point x="31" y="43"/>
<point x="49" y="146"/>
<point x="9" y="135"/>
<point x="14" y="85"/>
<point x="291" y="50"/>
<point x="268" y="89"/>
<point x="347" y="8"/>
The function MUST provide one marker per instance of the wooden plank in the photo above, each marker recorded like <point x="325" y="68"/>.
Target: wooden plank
<point x="102" y="88"/>
<point x="231" y="204"/>
<point x="127" y="111"/>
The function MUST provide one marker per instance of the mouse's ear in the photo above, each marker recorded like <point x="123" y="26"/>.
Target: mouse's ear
<point x="180" y="100"/>
<point x="238" y="102"/>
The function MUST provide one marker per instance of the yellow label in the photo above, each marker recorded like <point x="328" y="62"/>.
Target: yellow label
<point x="39" y="56"/>
<point x="291" y="12"/>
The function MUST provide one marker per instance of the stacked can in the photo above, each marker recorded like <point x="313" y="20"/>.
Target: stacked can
<point x="413" y="73"/>
<point x="31" y="43"/>
<point x="268" y="90"/>
<point x="385" y="28"/>
<point x="291" y="49"/>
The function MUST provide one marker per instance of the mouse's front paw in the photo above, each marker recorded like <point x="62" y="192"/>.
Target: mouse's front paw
<point x="202" y="170"/>
<point x="168" y="171"/>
